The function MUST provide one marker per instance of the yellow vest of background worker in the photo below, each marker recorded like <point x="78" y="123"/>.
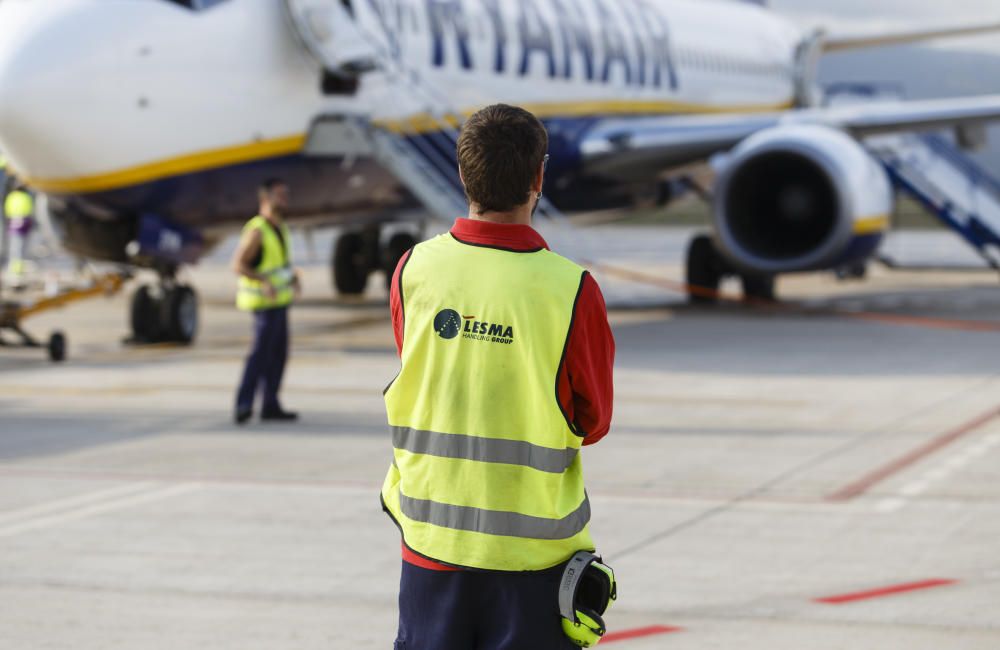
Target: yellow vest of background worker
<point x="18" y="205"/>
<point x="486" y="468"/>
<point x="275" y="263"/>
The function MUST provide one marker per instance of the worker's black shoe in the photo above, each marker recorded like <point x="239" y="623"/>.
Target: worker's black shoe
<point x="242" y="415"/>
<point x="279" y="415"/>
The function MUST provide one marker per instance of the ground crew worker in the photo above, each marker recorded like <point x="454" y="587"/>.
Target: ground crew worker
<point x="19" y="210"/>
<point x="268" y="283"/>
<point x="506" y="370"/>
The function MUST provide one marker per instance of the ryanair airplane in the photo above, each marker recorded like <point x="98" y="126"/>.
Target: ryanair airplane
<point x="146" y="125"/>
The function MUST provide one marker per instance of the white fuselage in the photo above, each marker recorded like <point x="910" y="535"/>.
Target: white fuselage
<point x="100" y="95"/>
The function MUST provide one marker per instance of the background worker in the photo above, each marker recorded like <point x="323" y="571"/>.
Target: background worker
<point x="19" y="213"/>
<point x="268" y="283"/>
<point x="506" y="370"/>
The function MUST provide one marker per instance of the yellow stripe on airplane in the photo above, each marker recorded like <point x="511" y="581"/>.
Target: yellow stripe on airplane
<point x="870" y="225"/>
<point x="185" y="164"/>
<point x="419" y="123"/>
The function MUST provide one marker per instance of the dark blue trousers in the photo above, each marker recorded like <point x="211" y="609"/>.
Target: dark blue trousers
<point x="479" y="610"/>
<point x="265" y="365"/>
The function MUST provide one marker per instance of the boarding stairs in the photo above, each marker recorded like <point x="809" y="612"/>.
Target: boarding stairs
<point x="950" y="184"/>
<point x="424" y="159"/>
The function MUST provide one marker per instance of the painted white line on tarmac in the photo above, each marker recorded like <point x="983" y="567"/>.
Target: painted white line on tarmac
<point x="97" y="509"/>
<point x="892" y="504"/>
<point x="937" y="473"/>
<point x="914" y="488"/>
<point x="72" y="502"/>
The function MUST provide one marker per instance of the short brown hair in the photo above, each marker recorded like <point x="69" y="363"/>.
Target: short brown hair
<point x="500" y="150"/>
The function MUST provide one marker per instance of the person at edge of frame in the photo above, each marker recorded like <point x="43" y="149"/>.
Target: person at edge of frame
<point x="268" y="284"/>
<point x="506" y="370"/>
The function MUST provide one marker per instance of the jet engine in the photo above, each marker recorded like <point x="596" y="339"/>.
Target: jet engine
<point x="799" y="198"/>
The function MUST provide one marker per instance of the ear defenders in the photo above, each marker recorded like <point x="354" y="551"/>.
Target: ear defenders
<point x="586" y="592"/>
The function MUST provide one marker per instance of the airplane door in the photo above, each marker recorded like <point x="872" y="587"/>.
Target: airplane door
<point x="329" y="33"/>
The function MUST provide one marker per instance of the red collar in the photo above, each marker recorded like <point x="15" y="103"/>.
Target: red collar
<point x="507" y="236"/>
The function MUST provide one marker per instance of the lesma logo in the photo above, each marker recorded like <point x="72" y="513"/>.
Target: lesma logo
<point x="448" y="323"/>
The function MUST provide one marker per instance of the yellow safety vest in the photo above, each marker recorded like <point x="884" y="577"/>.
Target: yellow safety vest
<point x="275" y="263"/>
<point x="486" y="469"/>
<point x="18" y="205"/>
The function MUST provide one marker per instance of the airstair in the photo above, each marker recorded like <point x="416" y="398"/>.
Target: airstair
<point x="423" y="159"/>
<point x="951" y="185"/>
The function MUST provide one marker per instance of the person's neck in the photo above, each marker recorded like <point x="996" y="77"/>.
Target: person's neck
<point x="271" y="216"/>
<point x="520" y="215"/>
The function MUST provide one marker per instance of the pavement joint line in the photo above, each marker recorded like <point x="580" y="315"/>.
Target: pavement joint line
<point x="165" y="478"/>
<point x="99" y="508"/>
<point x="912" y="457"/>
<point x="639" y="632"/>
<point x="782" y="505"/>
<point x="48" y="507"/>
<point x="882" y="592"/>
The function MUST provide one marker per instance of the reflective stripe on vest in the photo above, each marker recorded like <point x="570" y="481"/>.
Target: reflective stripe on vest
<point x="275" y="263"/>
<point x="18" y="205"/>
<point x="496" y="522"/>
<point x="486" y="450"/>
<point x="486" y="469"/>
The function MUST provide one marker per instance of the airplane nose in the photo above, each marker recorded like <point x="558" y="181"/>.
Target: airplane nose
<point x="28" y="61"/>
<point x="48" y="105"/>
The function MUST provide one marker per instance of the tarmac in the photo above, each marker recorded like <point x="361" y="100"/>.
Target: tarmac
<point x="823" y="475"/>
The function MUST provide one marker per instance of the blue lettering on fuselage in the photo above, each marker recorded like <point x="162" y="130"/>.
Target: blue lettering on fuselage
<point x="635" y="39"/>
<point x="499" y="33"/>
<point x="448" y="13"/>
<point x="576" y="36"/>
<point x="535" y="37"/>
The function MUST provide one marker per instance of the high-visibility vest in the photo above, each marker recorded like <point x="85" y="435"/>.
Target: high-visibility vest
<point x="18" y="205"/>
<point x="275" y="263"/>
<point x="486" y="469"/>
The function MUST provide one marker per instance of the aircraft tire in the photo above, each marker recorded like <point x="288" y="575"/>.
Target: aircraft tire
<point x="57" y="347"/>
<point x="758" y="287"/>
<point x="350" y="268"/>
<point x="394" y="251"/>
<point x="180" y="311"/>
<point x="145" y="316"/>
<point x="703" y="271"/>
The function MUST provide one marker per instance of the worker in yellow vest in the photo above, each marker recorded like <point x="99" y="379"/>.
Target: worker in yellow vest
<point x="19" y="213"/>
<point x="506" y="371"/>
<point x="268" y="283"/>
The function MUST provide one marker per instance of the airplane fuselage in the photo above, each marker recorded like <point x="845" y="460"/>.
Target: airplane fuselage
<point x="117" y="108"/>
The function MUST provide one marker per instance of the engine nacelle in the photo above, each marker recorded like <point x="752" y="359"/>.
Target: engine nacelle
<point x="799" y="198"/>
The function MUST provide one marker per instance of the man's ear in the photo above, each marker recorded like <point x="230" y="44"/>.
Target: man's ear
<point x="536" y="187"/>
<point x="460" y="177"/>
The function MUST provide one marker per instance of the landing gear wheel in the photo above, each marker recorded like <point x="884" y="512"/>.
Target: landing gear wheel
<point x="350" y="268"/>
<point x="57" y="347"/>
<point x="145" y="316"/>
<point x="394" y="251"/>
<point x="758" y="287"/>
<point x="180" y="314"/>
<point x="703" y="271"/>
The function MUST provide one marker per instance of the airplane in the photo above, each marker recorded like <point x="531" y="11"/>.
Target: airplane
<point x="145" y="125"/>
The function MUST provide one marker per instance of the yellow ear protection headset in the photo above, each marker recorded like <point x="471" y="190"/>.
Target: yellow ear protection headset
<point x="586" y="591"/>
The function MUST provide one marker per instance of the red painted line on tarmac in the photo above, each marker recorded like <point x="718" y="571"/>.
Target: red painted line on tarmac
<point x="871" y="479"/>
<point x="881" y="592"/>
<point x="638" y="632"/>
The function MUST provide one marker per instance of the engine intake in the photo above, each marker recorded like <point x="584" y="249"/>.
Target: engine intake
<point x="798" y="198"/>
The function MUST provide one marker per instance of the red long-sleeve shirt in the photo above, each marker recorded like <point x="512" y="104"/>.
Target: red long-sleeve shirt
<point x="585" y="386"/>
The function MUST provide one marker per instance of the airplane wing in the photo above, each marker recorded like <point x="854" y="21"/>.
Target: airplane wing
<point x="651" y="144"/>
<point x="844" y="43"/>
